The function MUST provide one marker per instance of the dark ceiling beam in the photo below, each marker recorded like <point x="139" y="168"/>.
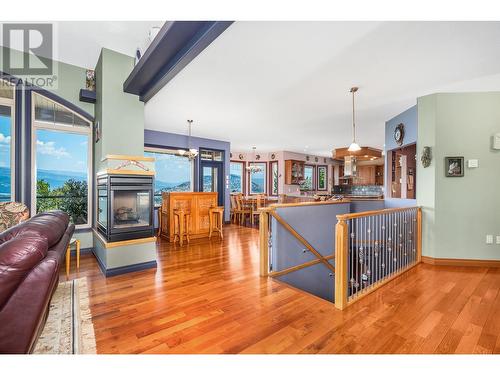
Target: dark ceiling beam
<point x="175" y="46"/>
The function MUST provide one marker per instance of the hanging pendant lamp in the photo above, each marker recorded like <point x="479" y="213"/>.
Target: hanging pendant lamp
<point x="354" y="146"/>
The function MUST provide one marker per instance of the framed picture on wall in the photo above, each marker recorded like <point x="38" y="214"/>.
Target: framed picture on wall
<point x="454" y="166"/>
<point x="273" y="178"/>
<point x="322" y="176"/>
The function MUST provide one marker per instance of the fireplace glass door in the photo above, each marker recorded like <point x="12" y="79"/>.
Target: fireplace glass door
<point x="131" y="209"/>
<point x="102" y="207"/>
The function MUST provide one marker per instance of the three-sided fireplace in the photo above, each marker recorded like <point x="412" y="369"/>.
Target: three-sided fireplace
<point x="125" y="207"/>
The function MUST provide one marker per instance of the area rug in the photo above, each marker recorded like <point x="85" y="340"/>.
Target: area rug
<point x="69" y="328"/>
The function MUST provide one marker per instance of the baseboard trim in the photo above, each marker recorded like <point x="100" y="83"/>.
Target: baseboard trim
<point x="132" y="268"/>
<point x="461" y="262"/>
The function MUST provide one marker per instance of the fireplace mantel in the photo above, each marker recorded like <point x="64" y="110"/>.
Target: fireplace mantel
<point x="127" y="164"/>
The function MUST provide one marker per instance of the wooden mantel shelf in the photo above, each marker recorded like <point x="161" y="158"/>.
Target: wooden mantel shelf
<point x="125" y="171"/>
<point x="128" y="157"/>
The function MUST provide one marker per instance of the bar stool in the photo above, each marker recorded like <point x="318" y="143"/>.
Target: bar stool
<point x="76" y="242"/>
<point x="216" y="219"/>
<point x="182" y="225"/>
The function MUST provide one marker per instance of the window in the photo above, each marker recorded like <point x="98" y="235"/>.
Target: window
<point x="173" y="172"/>
<point x="258" y="179"/>
<point x="308" y="184"/>
<point x="7" y="131"/>
<point x="273" y="175"/>
<point x="212" y="155"/>
<point x="62" y="161"/>
<point x="236" y="176"/>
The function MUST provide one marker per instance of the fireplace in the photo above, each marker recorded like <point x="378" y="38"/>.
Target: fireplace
<point x="125" y="207"/>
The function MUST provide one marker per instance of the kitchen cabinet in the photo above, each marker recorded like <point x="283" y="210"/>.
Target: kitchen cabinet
<point x="366" y="175"/>
<point x="294" y="172"/>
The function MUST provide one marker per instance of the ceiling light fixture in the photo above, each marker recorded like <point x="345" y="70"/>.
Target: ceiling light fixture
<point x="354" y="146"/>
<point x="254" y="168"/>
<point x="191" y="153"/>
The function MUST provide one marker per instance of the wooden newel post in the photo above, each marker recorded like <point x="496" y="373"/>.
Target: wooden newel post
<point x="264" y="243"/>
<point x="419" y="234"/>
<point x="341" y="254"/>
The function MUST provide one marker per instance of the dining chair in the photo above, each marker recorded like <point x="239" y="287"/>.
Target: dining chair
<point x="233" y="208"/>
<point x="242" y="209"/>
<point x="260" y="201"/>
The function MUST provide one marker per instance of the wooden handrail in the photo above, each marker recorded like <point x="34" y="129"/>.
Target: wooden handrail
<point x="355" y="215"/>
<point x="342" y="299"/>
<point x="274" y="206"/>
<point x="299" y="266"/>
<point x="341" y="255"/>
<point x="302" y="240"/>
<point x="264" y="243"/>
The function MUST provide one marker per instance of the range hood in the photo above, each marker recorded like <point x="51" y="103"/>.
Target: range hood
<point x="350" y="168"/>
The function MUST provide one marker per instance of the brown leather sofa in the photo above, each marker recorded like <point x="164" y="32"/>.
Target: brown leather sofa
<point x="30" y="256"/>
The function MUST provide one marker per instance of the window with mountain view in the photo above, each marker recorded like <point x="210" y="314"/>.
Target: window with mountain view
<point x="236" y="176"/>
<point x="6" y="141"/>
<point x="308" y="183"/>
<point x="258" y="179"/>
<point x="62" y="163"/>
<point x="173" y="172"/>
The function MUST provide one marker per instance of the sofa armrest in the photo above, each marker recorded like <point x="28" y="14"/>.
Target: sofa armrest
<point x="23" y="316"/>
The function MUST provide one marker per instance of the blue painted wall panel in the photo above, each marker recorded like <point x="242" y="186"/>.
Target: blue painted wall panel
<point x="317" y="225"/>
<point x="360" y="206"/>
<point x="409" y="119"/>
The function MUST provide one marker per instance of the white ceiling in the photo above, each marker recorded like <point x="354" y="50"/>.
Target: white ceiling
<point x="80" y="42"/>
<point x="285" y="85"/>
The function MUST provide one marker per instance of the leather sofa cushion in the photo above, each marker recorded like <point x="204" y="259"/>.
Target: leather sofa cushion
<point x="18" y="257"/>
<point x="50" y="224"/>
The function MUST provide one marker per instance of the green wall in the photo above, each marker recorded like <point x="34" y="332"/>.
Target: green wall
<point x="121" y="115"/>
<point x="70" y="79"/>
<point x="459" y="211"/>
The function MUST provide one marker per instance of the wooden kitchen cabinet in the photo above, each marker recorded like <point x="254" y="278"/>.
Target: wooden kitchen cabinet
<point x="294" y="172"/>
<point x="366" y="175"/>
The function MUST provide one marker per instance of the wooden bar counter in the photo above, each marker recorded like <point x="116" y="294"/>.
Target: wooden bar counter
<point x="196" y="202"/>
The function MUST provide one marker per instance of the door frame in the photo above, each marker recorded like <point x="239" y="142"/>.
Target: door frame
<point x="220" y="178"/>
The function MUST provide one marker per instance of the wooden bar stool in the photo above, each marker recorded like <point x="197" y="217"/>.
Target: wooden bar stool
<point x="216" y="220"/>
<point x="68" y="255"/>
<point x="182" y="225"/>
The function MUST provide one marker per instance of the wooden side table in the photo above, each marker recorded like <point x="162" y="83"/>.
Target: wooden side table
<point x="68" y="255"/>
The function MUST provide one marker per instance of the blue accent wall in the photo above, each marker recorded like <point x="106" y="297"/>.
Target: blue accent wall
<point x="409" y="119"/>
<point x="153" y="138"/>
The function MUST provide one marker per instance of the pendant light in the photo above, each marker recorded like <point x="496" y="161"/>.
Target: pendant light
<point x="192" y="153"/>
<point x="253" y="168"/>
<point x="354" y="146"/>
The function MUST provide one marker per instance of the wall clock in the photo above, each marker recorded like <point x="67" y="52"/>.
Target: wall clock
<point x="399" y="134"/>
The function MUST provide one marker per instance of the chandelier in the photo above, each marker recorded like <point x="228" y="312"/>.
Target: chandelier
<point x="191" y="153"/>
<point x="254" y="168"/>
<point x="354" y="146"/>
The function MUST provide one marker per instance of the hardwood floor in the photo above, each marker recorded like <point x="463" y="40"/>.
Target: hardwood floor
<point x="207" y="297"/>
